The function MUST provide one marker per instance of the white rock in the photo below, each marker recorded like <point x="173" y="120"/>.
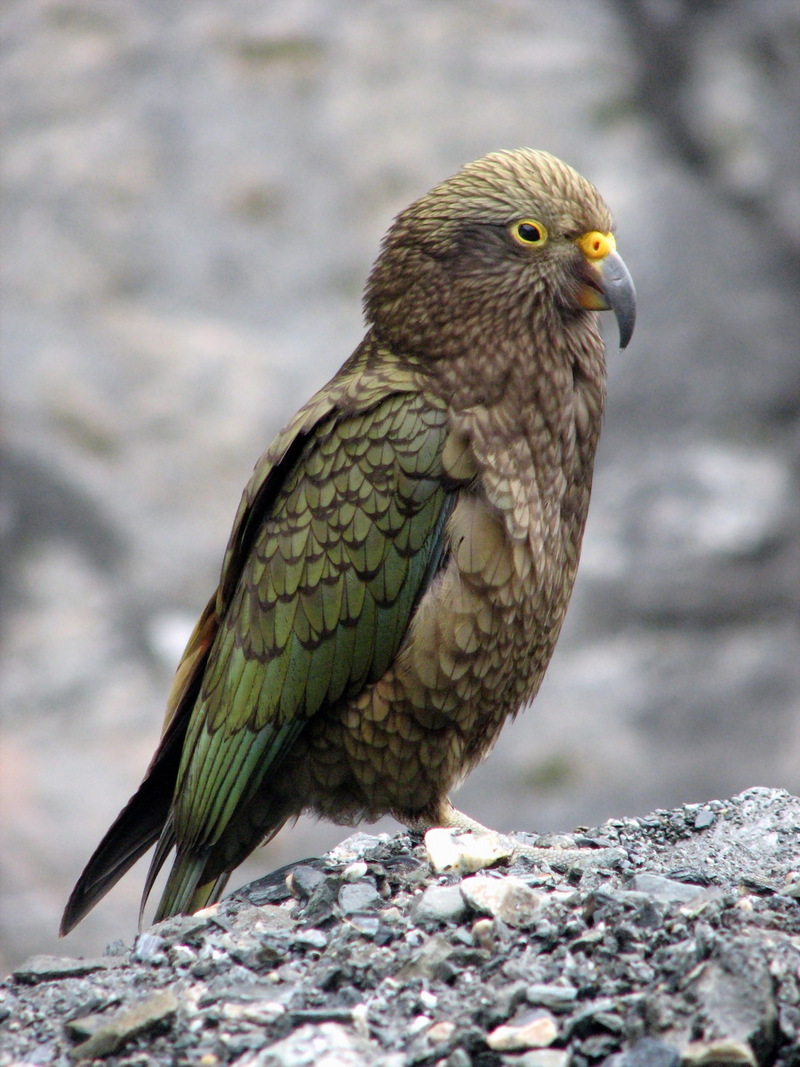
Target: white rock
<point x="537" y="1032"/>
<point x="354" y="871"/>
<point x="508" y="899"/>
<point x="464" y="852"/>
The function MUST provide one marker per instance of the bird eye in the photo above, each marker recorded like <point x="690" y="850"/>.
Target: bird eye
<point x="529" y="232"/>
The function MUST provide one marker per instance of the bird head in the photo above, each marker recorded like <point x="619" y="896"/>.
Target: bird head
<point x="516" y="240"/>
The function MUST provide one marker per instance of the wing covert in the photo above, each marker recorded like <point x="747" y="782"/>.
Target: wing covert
<point x="323" y="598"/>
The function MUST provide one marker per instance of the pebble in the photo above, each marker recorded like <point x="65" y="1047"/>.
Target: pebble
<point x="484" y="934"/>
<point x="260" y="1013"/>
<point x="355" y="871"/>
<point x="185" y="927"/>
<point x="460" y="852"/>
<point x="320" y="906"/>
<point x="427" y="999"/>
<point x="542" y="1057"/>
<point x="507" y="898"/>
<point x="269" y="919"/>
<point x="600" y="1014"/>
<point x="358" y="896"/>
<point x="703" y="819"/>
<point x="666" y="889"/>
<point x="45" y="968"/>
<point x="440" y="904"/>
<point x="355" y="847"/>
<point x="83" y="1027"/>
<point x="441" y="1032"/>
<point x="552" y="996"/>
<point x="369" y="926"/>
<point x="647" y="1052"/>
<point x="735" y="991"/>
<point x="149" y="948"/>
<point x="537" y="1030"/>
<point x="429" y="962"/>
<point x="311" y="938"/>
<point x="132" y="1021"/>
<point x="303" y="880"/>
<point x="182" y="956"/>
<point x="326" y="1045"/>
<point x="724" y="1053"/>
<point x="459" y="1057"/>
<point x="117" y="947"/>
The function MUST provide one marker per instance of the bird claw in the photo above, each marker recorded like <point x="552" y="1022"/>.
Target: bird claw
<point x="445" y="816"/>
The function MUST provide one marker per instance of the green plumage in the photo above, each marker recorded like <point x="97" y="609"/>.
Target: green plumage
<point x="403" y="555"/>
<point x="320" y="602"/>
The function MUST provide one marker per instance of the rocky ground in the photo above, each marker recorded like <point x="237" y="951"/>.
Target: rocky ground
<point x="645" y="942"/>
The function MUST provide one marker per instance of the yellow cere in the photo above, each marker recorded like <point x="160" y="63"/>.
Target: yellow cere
<point x="596" y="245"/>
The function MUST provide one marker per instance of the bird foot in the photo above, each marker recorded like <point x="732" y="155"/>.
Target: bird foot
<point x="445" y="815"/>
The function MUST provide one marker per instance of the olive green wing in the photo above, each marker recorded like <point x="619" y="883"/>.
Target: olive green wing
<point x="321" y="579"/>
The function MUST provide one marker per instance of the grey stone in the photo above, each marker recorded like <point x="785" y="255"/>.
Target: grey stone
<point x="557" y="997"/>
<point x="311" y="938"/>
<point x="647" y="1052"/>
<point x="735" y="991"/>
<point x="440" y="904"/>
<point x="703" y="819"/>
<point x="540" y="1057"/>
<point x="719" y="967"/>
<point x="45" y="968"/>
<point x="304" y="880"/>
<point x="320" y="905"/>
<point x="359" y="896"/>
<point x="137" y="1019"/>
<point x="368" y="925"/>
<point x="429" y="961"/>
<point x="355" y="847"/>
<point x="666" y="889"/>
<point x="326" y="1045"/>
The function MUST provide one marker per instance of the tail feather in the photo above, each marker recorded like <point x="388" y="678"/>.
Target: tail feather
<point x="143" y="820"/>
<point x="183" y="886"/>
<point x="198" y="878"/>
<point x="166" y="843"/>
<point x="209" y="893"/>
<point x="134" y="830"/>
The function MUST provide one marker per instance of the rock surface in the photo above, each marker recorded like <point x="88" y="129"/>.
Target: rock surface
<point x="543" y="962"/>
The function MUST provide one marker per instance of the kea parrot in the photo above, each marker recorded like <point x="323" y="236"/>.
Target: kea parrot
<point x="404" y="552"/>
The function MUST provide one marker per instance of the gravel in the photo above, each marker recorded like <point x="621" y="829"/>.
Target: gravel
<point x="683" y="950"/>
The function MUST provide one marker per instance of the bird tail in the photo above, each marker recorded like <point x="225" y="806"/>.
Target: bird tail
<point x="134" y="830"/>
<point x="185" y="891"/>
<point x="144" y="818"/>
<point x="198" y="878"/>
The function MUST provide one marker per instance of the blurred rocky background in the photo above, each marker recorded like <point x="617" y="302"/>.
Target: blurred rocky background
<point x="193" y="194"/>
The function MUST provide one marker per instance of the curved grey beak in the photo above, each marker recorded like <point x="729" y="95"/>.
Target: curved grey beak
<point x="608" y="286"/>
<point x="618" y="289"/>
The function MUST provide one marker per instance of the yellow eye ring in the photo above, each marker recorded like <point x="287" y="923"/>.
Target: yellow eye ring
<point x="530" y="233"/>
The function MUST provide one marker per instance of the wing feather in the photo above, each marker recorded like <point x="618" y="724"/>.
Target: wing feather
<point x="321" y="577"/>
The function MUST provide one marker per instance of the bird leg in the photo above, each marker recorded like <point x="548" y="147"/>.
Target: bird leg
<point x="444" y="815"/>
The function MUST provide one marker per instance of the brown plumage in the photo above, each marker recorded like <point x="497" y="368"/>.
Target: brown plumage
<point x="404" y="553"/>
